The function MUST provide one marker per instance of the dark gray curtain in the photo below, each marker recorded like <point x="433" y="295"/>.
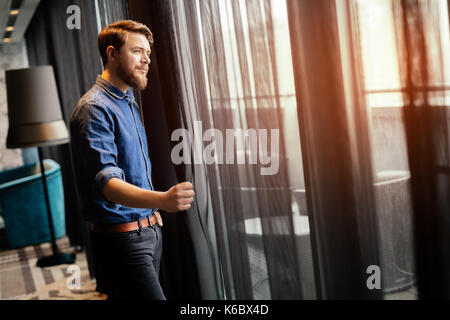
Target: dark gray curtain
<point x="381" y="68"/>
<point x="424" y="80"/>
<point x="335" y="147"/>
<point x="247" y="232"/>
<point x="240" y="194"/>
<point x="76" y="63"/>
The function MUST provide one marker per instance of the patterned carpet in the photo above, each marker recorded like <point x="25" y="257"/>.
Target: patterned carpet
<point x="21" y="279"/>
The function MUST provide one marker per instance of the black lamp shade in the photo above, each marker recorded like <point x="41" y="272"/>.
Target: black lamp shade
<point x="34" y="111"/>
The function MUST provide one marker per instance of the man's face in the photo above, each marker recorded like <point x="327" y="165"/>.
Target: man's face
<point x="133" y="60"/>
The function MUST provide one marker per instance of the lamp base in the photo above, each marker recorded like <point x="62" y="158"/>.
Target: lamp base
<point x="56" y="259"/>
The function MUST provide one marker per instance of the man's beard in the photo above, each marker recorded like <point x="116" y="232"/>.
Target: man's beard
<point x="127" y="75"/>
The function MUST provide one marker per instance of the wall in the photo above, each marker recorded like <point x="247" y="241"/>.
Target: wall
<point x="12" y="56"/>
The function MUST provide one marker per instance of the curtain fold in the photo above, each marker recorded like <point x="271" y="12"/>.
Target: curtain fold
<point x="247" y="228"/>
<point x="76" y="64"/>
<point x="334" y="133"/>
<point x="422" y="42"/>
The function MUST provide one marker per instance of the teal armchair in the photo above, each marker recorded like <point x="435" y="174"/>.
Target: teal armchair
<point x="22" y="204"/>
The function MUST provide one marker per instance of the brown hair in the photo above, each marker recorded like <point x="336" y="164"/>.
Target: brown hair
<point x="115" y="34"/>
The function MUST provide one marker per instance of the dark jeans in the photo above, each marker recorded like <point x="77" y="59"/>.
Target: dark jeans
<point x="126" y="264"/>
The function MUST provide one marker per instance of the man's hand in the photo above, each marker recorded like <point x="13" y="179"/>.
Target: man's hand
<point x="178" y="198"/>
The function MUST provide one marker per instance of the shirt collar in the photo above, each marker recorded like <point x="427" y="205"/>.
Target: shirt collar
<point x="114" y="91"/>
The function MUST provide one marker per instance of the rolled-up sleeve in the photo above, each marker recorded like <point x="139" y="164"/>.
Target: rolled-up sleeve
<point x="104" y="175"/>
<point x="99" y="155"/>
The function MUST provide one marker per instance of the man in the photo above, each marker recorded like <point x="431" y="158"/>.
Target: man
<point x="113" y="169"/>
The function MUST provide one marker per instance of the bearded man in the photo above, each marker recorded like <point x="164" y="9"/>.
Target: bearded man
<point x="113" y="169"/>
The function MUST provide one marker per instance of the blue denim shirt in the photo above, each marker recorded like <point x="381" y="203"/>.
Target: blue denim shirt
<point x="108" y="140"/>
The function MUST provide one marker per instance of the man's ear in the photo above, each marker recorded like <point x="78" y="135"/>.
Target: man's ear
<point x="111" y="53"/>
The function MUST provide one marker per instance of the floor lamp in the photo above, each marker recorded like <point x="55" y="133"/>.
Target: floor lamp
<point x="35" y="120"/>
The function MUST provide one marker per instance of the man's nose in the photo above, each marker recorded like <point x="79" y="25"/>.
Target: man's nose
<point x="146" y="59"/>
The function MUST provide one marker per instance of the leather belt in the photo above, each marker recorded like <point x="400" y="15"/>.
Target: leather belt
<point x="124" y="227"/>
